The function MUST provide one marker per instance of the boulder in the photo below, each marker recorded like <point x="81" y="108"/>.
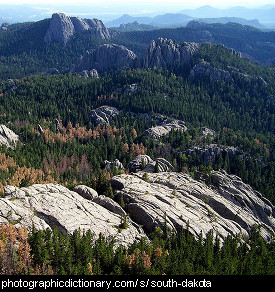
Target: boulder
<point x="89" y="73"/>
<point x="146" y="164"/>
<point x="117" y="164"/>
<point x="139" y="162"/>
<point x="86" y="192"/>
<point x="91" y="194"/>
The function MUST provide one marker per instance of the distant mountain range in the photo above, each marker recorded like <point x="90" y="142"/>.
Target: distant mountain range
<point x="176" y="20"/>
<point x="264" y="14"/>
<point x="262" y="17"/>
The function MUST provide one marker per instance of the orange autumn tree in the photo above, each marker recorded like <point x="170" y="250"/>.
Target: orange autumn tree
<point x="13" y="174"/>
<point x="15" y="251"/>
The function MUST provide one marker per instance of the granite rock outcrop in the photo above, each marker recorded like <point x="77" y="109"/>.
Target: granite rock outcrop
<point x="164" y="128"/>
<point x="215" y="201"/>
<point x="209" y="153"/>
<point x="104" y="58"/>
<point x="145" y="163"/>
<point x="206" y="70"/>
<point x="103" y="114"/>
<point x="224" y="205"/>
<point x="45" y="206"/>
<point x="62" y="27"/>
<point x="167" y="54"/>
<point x="8" y="137"/>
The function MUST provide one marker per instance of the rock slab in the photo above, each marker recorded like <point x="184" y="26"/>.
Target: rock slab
<point x="44" y="206"/>
<point x="225" y="205"/>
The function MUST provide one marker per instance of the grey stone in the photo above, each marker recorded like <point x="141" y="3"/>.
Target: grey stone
<point x="45" y="206"/>
<point x="117" y="164"/>
<point x="86" y="192"/>
<point x="209" y="153"/>
<point x="8" y="137"/>
<point x="146" y="164"/>
<point x="167" y="54"/>
<point x="139" y="162"/>
<point x="225" y="205"/>
<point x="164" y="129"/>
<point x="103" y="114"/>
<point x="205" y="69"/>
<point x="105" y="57"/>
<point x="62" y="27"/>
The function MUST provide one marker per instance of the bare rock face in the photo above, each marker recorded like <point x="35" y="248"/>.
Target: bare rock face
<point x="164" y="128"/>
<point x="139" y="162"/>
<point x="45" y="206"/>
<point x="89" y="73"/>
<point x="86" y="192"/>
<point x="8" y="137"/>
<point x="146" y="164"/>
<point x="205" y="69"/>
<point x="62" y="27"/>
<point x="116" y="163"/>
<point x="225" y="205"/>
<point x="167" y="54"/>
<point x="104" y="58"/>
<point x="210" y="152"/>
<point x="103" y="114"/>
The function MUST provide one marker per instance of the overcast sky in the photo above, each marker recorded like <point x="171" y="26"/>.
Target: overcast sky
<point x="182" y="4"/>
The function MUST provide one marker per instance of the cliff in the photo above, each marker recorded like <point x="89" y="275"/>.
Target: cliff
<point x="62" y="27"/>
<point x="104" y="58"/>
<point x="167" y="54"/>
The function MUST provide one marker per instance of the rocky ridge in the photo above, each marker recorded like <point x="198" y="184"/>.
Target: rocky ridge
<point x="62" y="27"/>
<point x="205" y="69"/>
<point x="209" y="153"/>
<point x="162" y="53"/>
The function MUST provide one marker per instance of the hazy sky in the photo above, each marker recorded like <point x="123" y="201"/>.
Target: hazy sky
<point x="107" y="10"/>
<point x="147" y="3"/>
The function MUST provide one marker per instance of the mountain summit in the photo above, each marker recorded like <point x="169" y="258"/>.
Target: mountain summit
<point x="62" y="27"/>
